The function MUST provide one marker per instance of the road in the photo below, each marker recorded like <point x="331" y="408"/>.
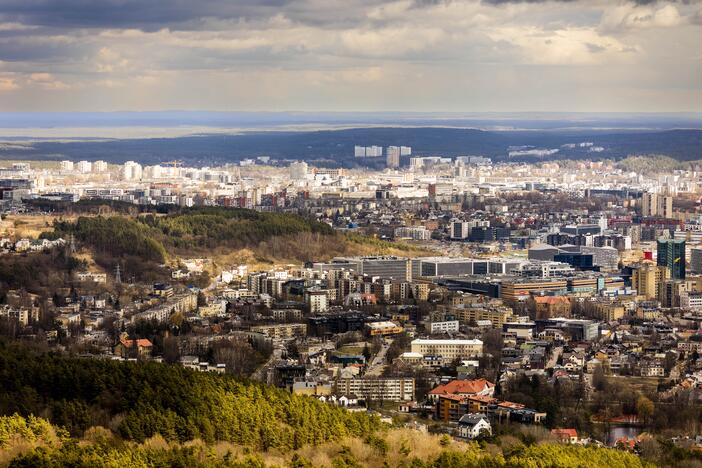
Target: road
<point x="375" y="369"/>
<point x="557" y="351"/>
<point x="261" y="374"/>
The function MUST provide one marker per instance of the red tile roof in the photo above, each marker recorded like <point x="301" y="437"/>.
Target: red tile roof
<point x="565" y="433"/>
<point x="551" y="299"/>
<point x="463" y="387"/>
<point x="140" y="343"/>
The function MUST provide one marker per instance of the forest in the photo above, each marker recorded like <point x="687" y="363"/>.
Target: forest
<point x="140" y="400"/>
<point x="61" y="410"/>
<point x="153" y="236"/>
<point x="141" y="243"/>
<point x="34" y="442"/>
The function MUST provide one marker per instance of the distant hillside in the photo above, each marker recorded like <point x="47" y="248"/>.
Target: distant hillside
<point x="335" y="147"/>
<point x="151" y="238"/>
<point x="142" y="241"/>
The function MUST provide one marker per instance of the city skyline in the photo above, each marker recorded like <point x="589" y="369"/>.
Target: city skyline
<point x="361" y="55"/>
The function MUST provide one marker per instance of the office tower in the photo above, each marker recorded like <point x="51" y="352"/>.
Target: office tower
<point x="393" y="156"/>
<point x="460" y="229"/>
<point x="671" y="254"/>
<point x="696" y="260"/>
<point x="649" y="204"/>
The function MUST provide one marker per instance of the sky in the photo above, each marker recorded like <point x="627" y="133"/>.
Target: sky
<point x="351" y="55"/>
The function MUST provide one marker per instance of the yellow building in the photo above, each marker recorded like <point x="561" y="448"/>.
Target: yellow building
<point x="607" y="311"/>
<point x="646" y="278"/>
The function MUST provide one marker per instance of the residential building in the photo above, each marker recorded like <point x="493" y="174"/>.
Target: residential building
<point x="448" y="349"/>
<point x="376" y="389"/>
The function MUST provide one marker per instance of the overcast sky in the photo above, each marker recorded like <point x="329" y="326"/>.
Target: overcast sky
<point x="351" y="55"/>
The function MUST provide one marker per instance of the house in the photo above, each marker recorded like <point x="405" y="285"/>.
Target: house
<point x="464" y="388"/>
<point x="473" y="425"/>
<point x="127" y="348"/>
<point x="568" y="436"/>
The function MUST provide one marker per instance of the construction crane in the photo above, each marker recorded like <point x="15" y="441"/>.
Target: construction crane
<point x="175" y="163"/>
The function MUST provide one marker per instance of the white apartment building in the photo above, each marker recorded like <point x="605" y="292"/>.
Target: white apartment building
<point x="448" y="349"/>
<point x="132" y="171"/>
<point x="99" y="166"/>
<point x="691" y="300"/>
<point x="415" y="233"/>
<point x="316" y="300"/>
<point x="441" y="327"/>
<point x="84" y="167"/>
<point x="377" y="389"/>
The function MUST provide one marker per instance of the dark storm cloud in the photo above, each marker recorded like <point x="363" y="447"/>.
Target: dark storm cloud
<point x="152" y="15"/>
<point x="141" y="14"/>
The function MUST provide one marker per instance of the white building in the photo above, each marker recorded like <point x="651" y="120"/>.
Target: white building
<point x="415" y="233"/>
<point x="84" y="167"/>
<point x="298" y="171"/>
<point x="99" y="166"/>
<point x="691" y="300"/>
<point x="132" y="171"/>
<point x="316" y="300"/>
<point x="473" y="425"/>
<point x="66" y="166"/>
<point x="442" y="327"/>
<point x="377" y="389"/>
<point x="448" y="349"/>
<point x="393" y="157"/>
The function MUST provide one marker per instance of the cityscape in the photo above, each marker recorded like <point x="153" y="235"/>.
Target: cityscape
<point x="400" y="274"/>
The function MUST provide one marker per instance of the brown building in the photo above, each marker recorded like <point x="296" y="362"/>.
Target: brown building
<point x="545" y="307"/>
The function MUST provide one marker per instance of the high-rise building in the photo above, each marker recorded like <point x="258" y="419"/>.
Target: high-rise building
<point x="84" y="167"/>
<point x="649" y="204"/>
<point x="646" y="277"/>
<point x="460" y="229"/>
<point x="665" y="206"/>
<point x="696" y="260"/>
<point x="99" y="166"/>
<point x="66" y="166"/>
<point x="393" y="156"/>
<point x="671" y="254"/>
<point x="131" y="171"/>
<point x="298" y="171"/>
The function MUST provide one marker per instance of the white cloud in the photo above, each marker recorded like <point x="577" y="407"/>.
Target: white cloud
<point x="8" y="84"/>
<point x="47" y="81"/>
<point x="630" y="16"/>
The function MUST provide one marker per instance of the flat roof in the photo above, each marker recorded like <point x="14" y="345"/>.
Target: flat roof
<point x="440" y="342"/>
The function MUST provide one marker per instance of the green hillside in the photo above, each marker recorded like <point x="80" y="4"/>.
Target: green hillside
<point x="140" y="400"/>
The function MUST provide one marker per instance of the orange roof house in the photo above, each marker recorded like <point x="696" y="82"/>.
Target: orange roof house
<point x="565" y="435"/>
<point x="133" y="348"/>
<point x="464" y="388"/>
